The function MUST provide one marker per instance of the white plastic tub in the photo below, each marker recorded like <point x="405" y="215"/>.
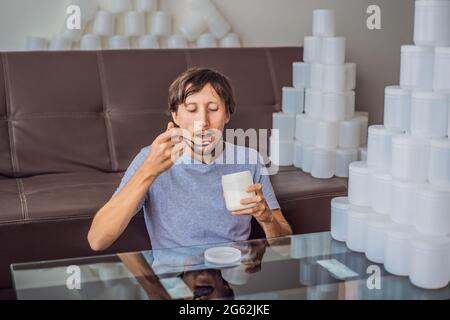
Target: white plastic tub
<point x="363" y="118"/>
<point x="343" y="159"/>
<point x="403" y="202"/>
<point x="375" y="236"/>
<point x="439" y="171"/>
<point x="429" y="114"/>
<point x="317" y="76"/>
<point x="416" y="68"/>
<point x="356" y="227"/>
<point x="349" y="134"/>
<point x="293" y="100"/>
<point x="339" y="215"/>
<point x="334" y="78"/>
<point x="442" y="70"/>
<point x="379" y="147"/>
<point x="350" y="75"/>
<point x="430" y="262"/>
<point x="312" y="49"/>
<point x="307" y="154"/>
<point x="397" y="108"/>
<point x="281" y="152"/>
<point x="333" y="50"/>
<point x="285" y="123"/>
<point x="358" y="184"/>
<point x="298" y="148"/>
<point x="335" y="106"/>
<point x="314" y="103"/>
<point x="301" y="75"/>
<point x="323" y="163"/>
<point x="306" y="129"/>
<point x="432" y="23"/>
<point x="350" y="113"/>
<point x="323" y="23"/>
<point x="327" y="134"/>
<point x="397" y="255"/>
<point x="432" y="215"/>
<point x="410" y="158"/>
<point x="380" y="191"/>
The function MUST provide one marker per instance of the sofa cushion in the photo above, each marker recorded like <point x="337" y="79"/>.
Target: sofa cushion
<point x="5" y="154"/>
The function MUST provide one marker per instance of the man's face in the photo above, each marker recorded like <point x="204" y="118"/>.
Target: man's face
<point x="204" y="116"/>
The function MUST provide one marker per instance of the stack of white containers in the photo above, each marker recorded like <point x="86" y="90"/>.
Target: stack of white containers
<point x="319" y="130"/>
<point x="398" y="205"/>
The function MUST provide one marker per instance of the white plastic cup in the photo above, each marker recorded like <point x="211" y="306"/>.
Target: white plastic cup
<point x="339" y="218"/>
<point x="147" y="5"/>
<point x="307" y="155"/>
<point x="317" y="76"/>
<point x="36" y="43"/>
<point x="327" y="134"/>
<point x="90" y="42"/>
<point x="104" y="24"/>
<point x="362" y="154"/>
<point x="343" y="159"/>
<point x="363" y="118"/>
<point x="358" y="184"/>
<point x="432" y="215"/>
<point x="439" y="170"/>
<point x="442" y="70"/>
<point x="334" y="78"/>
<point x="430" y="262"/>
<point x="298" y="160"/>
<point x="312" y="49"/>
<point x="376" y="226"/>
<point x="323" y="23"/>
<point x="379" y="148"/>
<point x="306" y="129"/>
<point x="380" y="191"/>
<point x="410" y="158"/>
<point x="350" y="106"/>
<point x="285" y="123"/>
<point x="403" y="202"/>
<point x="206" y="40"/>
<point x="350" y="76"/>
<point x="333" y="50"/>
<point x="397" y="257"/>
<point x="193" y="26"/>
<point x="314" y="103"/>
<point x="231" y="40"/>
<point x="120" y="6"/>
<point x="432" y="23"/>
<point x="148" y="42"/>
<point x="119" y="42"/>
<point x="161" y="24"/>
<point x="416" y="68"/>
<point x="59" y="43"/>
<point x="177" y="41"/>
<point x="323" y="163"/>
<point x="234" y="186"/>
<point x="335" y="106"/>
<point x="134" y="24"/>
<point x="301" y="75"/>
<point x="293" y="100"/>
<point x="349" y="134"/>
<point x="356" y="227"/>
<point x="281" y="152"/>
<point x="397" y="108"/>
<point x="429" y="114"/>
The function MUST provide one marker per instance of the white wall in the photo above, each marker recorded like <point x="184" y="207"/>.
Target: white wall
<point x="263" y="23"/>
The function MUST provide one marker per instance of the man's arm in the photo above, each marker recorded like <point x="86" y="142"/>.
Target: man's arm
<point x="277" y="226"/>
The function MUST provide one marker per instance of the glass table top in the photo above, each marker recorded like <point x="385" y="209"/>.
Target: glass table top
<point x="309" y="266"/>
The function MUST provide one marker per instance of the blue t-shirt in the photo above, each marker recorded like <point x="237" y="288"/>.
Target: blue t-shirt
<point x="185" y="205"/>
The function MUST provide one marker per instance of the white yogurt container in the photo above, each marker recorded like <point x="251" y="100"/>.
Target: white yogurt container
<point x="334" y="78"/>
<point x="349" y="134"/>
<point x="307" y="155"/>
<point x="339" y="215"/>
<point x="380" y="191"/>
<point x="327" y="134"/>
<point x="416" y="68"/>
<point x="356" y="227"/>
<point x="301" y="75"/>
<point x="403" y="202"/>
<point x="375" y="236"/>
<point x="410" y="158"/>
<point x="323" y="163"/>
<point x="306" y="133"/>
<point x="379" y="147"/>
<point x="397" y="255"/>
<point x="429" y="114"/>
<point x="363" y="118"/>
<point x="397" y="108"/>
<point x="323" y="23"/>
<point x="350" y="76"/>
<point x="234" y="186"/>
<point x="442" y="70"/>
<point x="439" y="170"/>
<point x="314" y="103"/>
<point x="432" y="23"/>
<point x="334" y="107"/>
<point x="430" y="262"/>
<point x="312" y="49"/>
<point x="432" y="215"/>
<point x="293" y="99"/>
<point x="344" y="157"/>
<point x="282" y="152"/>
<point x="317" y="76"/>
<point x="285" y="124"/>
<point x="350" y="113"/>
<point x="358" y="184"/>
<point x="333" y="50"/>
<point x="298" y="160"/>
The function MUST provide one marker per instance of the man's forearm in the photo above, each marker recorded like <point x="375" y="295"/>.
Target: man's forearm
<point x="277" y="227"/>
<point x="112" y="219"/>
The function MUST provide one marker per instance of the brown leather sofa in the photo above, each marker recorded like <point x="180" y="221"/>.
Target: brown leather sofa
<point x="71" y="122"/>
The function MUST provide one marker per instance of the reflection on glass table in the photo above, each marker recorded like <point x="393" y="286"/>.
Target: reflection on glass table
<point x="310" y="266"/>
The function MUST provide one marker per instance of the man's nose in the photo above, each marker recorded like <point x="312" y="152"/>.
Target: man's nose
<point x="202" y="121"/>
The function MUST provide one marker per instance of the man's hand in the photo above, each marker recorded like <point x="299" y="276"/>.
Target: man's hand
<point x="165" y="150"/>
<point x="261" y="211"/>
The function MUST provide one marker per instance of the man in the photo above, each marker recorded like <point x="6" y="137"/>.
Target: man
<point x="177" y="180"/>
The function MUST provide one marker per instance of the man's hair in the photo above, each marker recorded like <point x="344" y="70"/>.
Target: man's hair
<point x="194" y="80"/>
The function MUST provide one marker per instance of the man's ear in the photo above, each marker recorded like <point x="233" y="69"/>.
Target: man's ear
<point x="175" y="118"/>
<point x="228" y="118"/>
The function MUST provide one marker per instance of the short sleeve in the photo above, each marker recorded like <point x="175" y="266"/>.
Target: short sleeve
<point x="131" y="170"/>
<point x="263" y="178"/>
